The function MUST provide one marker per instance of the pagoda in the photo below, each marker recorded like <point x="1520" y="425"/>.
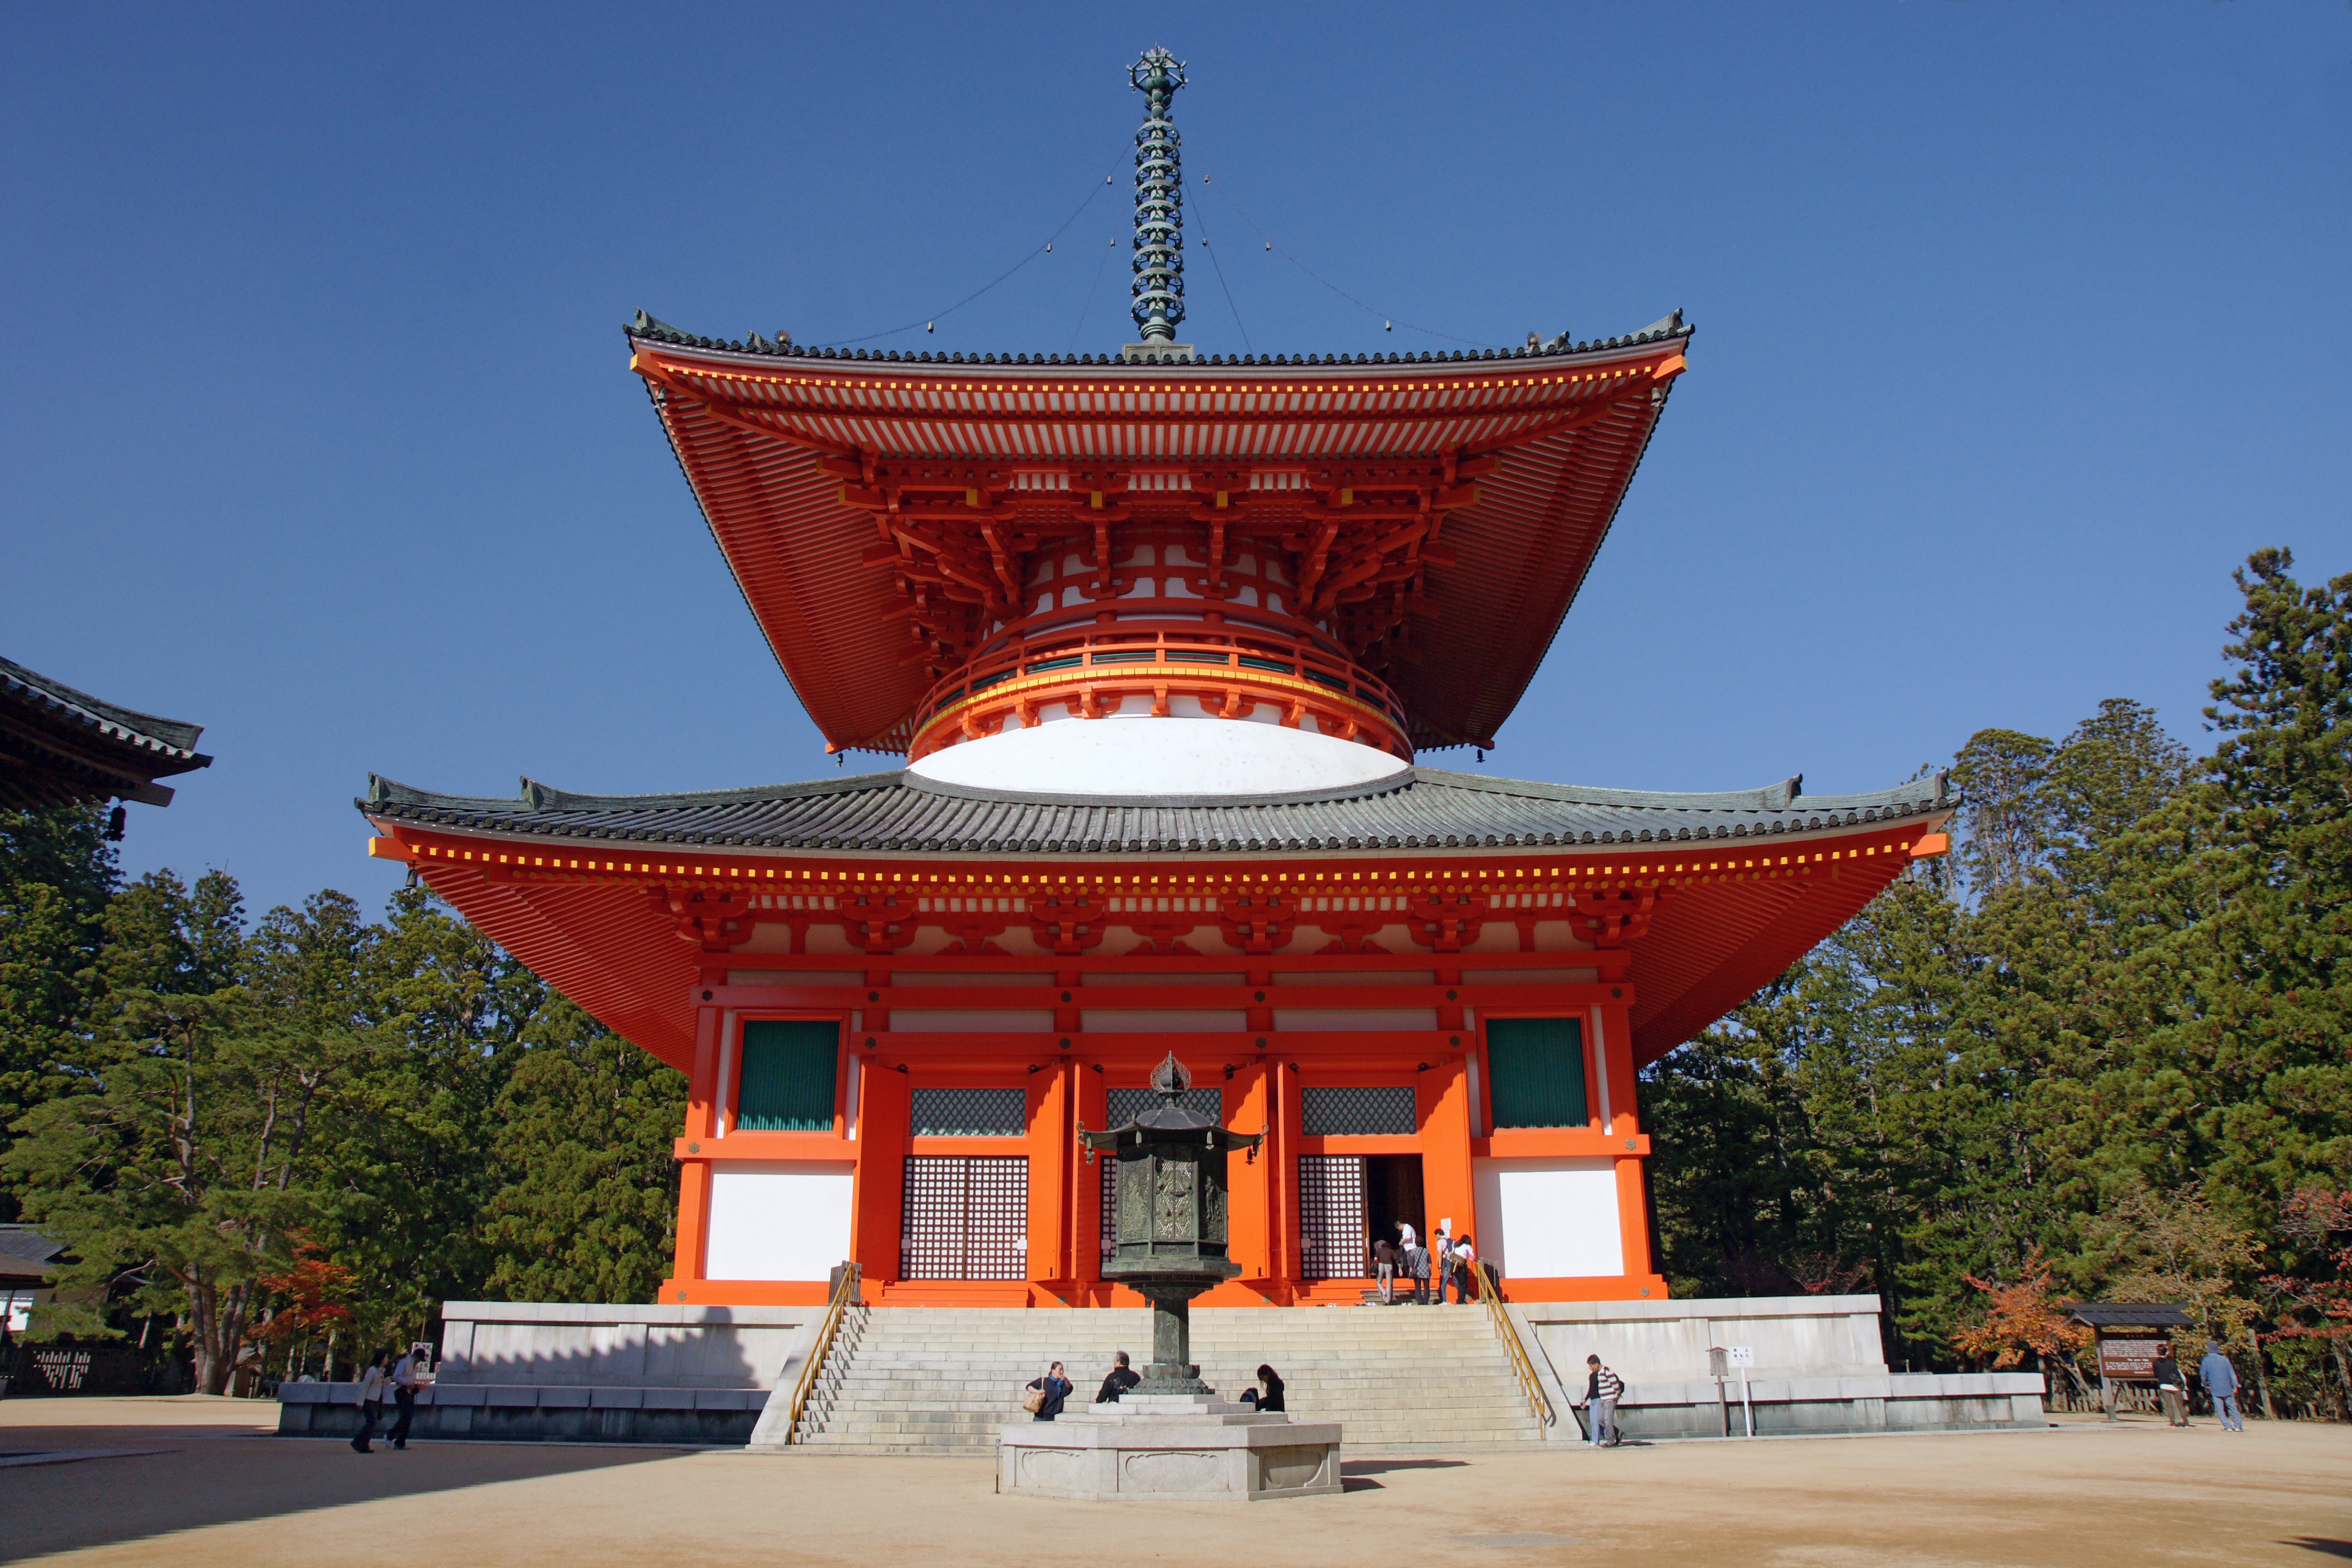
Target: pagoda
<point x="1161" y="635"/>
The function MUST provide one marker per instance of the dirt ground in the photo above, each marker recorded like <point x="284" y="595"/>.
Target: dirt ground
<point x="196" y="1482"/>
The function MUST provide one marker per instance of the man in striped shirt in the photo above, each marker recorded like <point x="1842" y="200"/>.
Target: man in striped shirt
<point x="1601" y="1388"/>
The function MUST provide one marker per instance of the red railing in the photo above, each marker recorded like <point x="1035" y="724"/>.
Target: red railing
<point x="1114" y="650"/>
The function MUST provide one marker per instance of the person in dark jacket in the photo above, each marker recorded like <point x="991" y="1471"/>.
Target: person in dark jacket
<point x="1057" y="1391"/>
<point x="1602" y="1388"/>
<point x="1122" y="1378"/>
<point x="1384" y="1264"/>
<point x="1267" y="1395"/>
<point x="2171" y="1389"/>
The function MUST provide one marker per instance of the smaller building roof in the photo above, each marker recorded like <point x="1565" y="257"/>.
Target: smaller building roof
<point x="58" y="746"/>
<point x="26" y="1254"/>
<point x="2131" y="1315"/>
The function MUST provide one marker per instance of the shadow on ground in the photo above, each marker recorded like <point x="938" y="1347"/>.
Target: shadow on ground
<point x="1382" y="1466"/>
<point x="193" y="1481"/>
<point x="2323" y="1547"/>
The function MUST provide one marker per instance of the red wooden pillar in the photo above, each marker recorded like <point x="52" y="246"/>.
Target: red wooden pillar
<point x="884" y="1110"/>
<point x="1626" y="1143"/>
<point x="694" y="1174"/>
<point x="1250" y="1193"/>
<point x="1048" y="1144"/>
<point x="1444" y="1109"/>
<point x="1091" y="1096"/>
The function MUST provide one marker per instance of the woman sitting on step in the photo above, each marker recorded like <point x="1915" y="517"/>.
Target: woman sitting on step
<point x="1267" y="1395"/>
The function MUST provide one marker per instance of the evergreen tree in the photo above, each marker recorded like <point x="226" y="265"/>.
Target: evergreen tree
<point x="585" y="1126"/>
<point x="56" y="873"/>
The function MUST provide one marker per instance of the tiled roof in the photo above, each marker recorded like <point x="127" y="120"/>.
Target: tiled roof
<point x="760" y="437"/>
<point x="649" y="329"/>
<point x="2132" y="1315"/>
<point x="58" y="745"/>
<point x="1420" y="808"/>
<point x="167" y="737"/>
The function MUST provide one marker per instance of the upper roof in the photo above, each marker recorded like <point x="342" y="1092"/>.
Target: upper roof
<point x="58" y="745"/>
<point x="766" y="435"/>
<point x="902" y="811"/>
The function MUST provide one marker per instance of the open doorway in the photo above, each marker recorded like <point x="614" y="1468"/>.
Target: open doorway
<point x="1393" y="1194"/>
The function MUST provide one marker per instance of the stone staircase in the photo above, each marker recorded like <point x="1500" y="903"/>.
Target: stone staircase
<point x="922" y="1380"/>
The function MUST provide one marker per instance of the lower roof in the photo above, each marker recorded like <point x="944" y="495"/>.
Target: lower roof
<point x="902" y="812"/>
<point x="589" y="927"/>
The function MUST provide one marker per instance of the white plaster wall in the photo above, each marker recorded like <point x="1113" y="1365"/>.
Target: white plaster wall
<point x="777" y="1219"/>
<point x="1141" y="755"/>
<point x="1546" y="1219"/>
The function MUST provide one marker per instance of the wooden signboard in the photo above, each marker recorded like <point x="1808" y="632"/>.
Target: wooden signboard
<point x="2130" y="1360"/>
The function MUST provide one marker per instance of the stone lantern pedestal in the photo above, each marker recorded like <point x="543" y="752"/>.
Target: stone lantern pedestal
<point x="1171" y="1436"/>
<point x="1169" y="1444"/>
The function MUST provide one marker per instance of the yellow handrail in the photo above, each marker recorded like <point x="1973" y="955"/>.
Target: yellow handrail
<point x="806" y="1385"/>
<point x="1490" y="1291"/>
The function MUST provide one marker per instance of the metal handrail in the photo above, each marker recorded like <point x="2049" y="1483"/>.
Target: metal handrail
<point x="806" y="1385"/>
<point x="1490" y="1291"/>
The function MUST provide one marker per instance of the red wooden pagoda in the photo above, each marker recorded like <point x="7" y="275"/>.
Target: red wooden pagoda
<point x="1161" y="635"/>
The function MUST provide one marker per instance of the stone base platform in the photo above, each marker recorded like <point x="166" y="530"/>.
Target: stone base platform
<point x="1169" y="1446"/>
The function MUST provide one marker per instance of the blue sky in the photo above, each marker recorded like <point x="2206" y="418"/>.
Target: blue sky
<point x="2019" y="325"/>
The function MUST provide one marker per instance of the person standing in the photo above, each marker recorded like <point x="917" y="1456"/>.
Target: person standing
<point x="1057" y="1389"/>
<point x="371" y="1392"/>
<point x="1464" y="1254"/>
<point x="2220" y="1381"/>
<point x="1384" y="1264"/>
<point x="1122" y="1378"/>
<point x="1441" y="1261"/>
<point x="407" y="1377"/>
<point x="1602" y="1388"/>
<point x="1416" y="1262"/>
<point x="2169" y="1389"/>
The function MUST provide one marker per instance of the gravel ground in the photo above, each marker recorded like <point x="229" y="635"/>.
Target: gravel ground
<point x="202" y="1484"/>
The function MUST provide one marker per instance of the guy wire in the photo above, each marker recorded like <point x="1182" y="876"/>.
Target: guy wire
<point x="1201" y="219"/>
<point x="1099" y="268"/>
<point x="926" y="321"/>
<point x="1384" y="316"/>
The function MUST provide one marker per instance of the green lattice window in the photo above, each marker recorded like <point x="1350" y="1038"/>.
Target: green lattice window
<point x="786" y="1081"/>
<point x="1537" y="1069"/>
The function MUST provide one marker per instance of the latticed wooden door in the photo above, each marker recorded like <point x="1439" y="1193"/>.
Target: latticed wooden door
<point x="966" y="1217"/>
<point x="1333" y="1241"/>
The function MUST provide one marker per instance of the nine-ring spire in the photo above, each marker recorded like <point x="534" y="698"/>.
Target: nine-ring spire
<point x="1158" y="200"/>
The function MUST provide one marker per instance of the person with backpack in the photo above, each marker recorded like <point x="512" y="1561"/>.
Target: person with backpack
<point x="1045" y="1395"/>
<point x="1267" y="1397"/>
<point x="2170" y="1387"/>
<point x="407" y="1377"/>
<point x="1122" y="1378"/>
<point x="371" y="1402"/>
<point x="1603" y="1389"/>
<point x="1441" y="1259"/>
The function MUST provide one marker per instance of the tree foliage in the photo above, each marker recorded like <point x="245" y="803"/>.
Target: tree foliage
<point x="224" y="1119"/>
<point x="2104" y="1047"/>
